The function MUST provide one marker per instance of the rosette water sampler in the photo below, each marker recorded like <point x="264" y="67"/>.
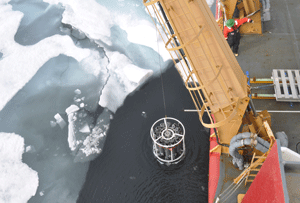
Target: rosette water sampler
<point x="168" y="140"/>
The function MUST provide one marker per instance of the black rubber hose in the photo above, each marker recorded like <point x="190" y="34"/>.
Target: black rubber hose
<point x="225" y="145"/>
<point x="297" y="148"/>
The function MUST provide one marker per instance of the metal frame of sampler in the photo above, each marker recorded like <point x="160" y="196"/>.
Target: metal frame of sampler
<point x="205" y="62"/>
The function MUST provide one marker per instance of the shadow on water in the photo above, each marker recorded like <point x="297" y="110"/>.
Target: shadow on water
<point x="127" y="171"/>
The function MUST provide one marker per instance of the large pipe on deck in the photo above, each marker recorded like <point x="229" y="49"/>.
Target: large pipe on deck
<point x="243" y="139"/>
<point x="238" y="159"/>
<point x="263" y="142"/>
<point x="244" y="135"/>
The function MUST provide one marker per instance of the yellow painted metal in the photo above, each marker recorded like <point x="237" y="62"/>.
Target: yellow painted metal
<point x="254" y="166"/>
<point x="206" y="64"/>
<point x="246" y="8"/>
<point x="210" y="71"/>
<point x="216" y="149"/>
<point x="229" y="7"/>
<point x="240" y="197"/>
<point x="254" y="169"/>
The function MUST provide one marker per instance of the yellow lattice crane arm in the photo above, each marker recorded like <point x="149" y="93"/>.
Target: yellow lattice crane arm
<point x="205" y="62"/>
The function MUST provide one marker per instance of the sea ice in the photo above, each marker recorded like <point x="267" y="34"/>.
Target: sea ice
<point x="85" y="139"/>
<point x="30" y="149"/>
<point x="18" y="182"/>
<point x="53" y="124"/>
<point x="12" y="71"/>
<point x="144" y="114"/>
<point x="124" y="79"/>
<point x="85" y="129"/>
<point x="77" y="91"/>
<point x="127" y="64"/>
<point x="60" y="121"/>
<point x="88" y="17"/>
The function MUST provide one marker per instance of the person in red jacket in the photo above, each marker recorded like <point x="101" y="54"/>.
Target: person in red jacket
<point x="232" y="34"/>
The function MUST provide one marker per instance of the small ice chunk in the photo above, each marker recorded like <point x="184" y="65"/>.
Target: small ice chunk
<point x="72" y="109"/>
<point x="42" y="193"/>
<point x="111" y="117"/>
<point x="82" y="98"/>
<point x="81" y="105"/>
<point x="144" y="114"/>
<point x="77" y="91"/>
<point x="132" y="177"/>
<point x="77" y="100"/>
<point x="53" y="124"/>
<point x="30" y="149"/>
<point x="85" y="129"/>
<point x="60" y="121"/>
<point x="106" y="126"/>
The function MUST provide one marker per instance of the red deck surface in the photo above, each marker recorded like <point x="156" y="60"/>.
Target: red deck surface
<point x="267" y="185"/>
<point x="214" y="168"/>
<point x="214" y="171"/>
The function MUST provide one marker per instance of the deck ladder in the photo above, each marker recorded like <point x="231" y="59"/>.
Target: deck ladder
<point x="251" y="174"/>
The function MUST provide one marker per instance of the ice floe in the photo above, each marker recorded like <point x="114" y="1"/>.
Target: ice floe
<point x="124" y="79"/>
<point x="86" y="134"/>
<point x="20" y="63"/>
<point x="18" y="181"/>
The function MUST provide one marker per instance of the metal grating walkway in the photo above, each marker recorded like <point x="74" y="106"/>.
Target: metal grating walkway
<point x="286" y="84"/>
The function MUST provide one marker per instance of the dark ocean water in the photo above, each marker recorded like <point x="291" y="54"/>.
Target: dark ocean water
<point x="127" y="171"/>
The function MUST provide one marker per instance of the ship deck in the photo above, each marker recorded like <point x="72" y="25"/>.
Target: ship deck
<point x="277" y="48"/>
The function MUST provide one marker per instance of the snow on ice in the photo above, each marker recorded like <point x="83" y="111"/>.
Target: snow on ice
<point x="14" y="74"/>
<point x="85" y="16"/>
<point x="124" y="75"/>
<point x="18" y="182"/>
<point x="124" y="79"/>
<point x="86" y="140"/>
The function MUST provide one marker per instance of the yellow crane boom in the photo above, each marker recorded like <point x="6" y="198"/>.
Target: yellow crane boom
<point x="205" y="62"/>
